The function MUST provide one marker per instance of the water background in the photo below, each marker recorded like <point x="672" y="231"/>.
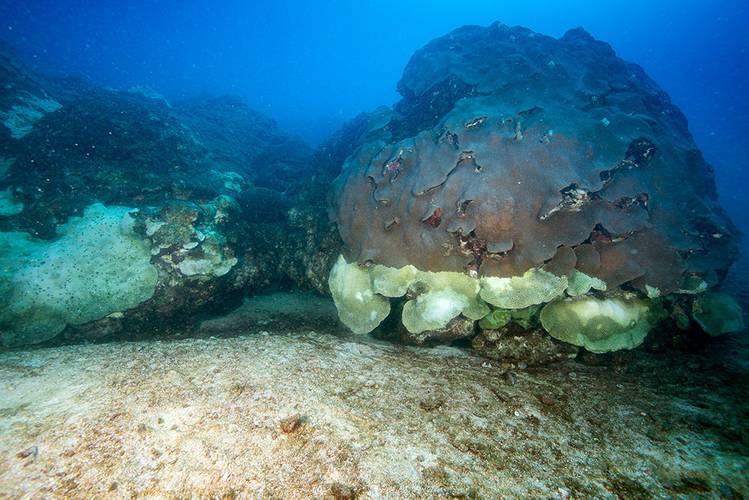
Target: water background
<point x="312" y="65"/>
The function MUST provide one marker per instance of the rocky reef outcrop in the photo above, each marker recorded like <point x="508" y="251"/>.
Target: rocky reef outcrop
<point x="124" y="215"/>
<point x="521" y="171"/>
<point x="523" y="187"/>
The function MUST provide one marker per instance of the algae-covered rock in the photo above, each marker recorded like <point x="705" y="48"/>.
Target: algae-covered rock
<point x="8" y="205"/>
<point x="231" y="203"/>
<point x="213" y="259"/>
<point x="718" y="313"/>
<point x="21" y="117"/>
<point x="458" y="328"/>
<point x="359" y="307"/>
<point x="536" y="286"/>
<point x="97" y="266"/>
<point x="25" y="98"/>
<point x="515" y="345"/>
<point x="599" y="325"/>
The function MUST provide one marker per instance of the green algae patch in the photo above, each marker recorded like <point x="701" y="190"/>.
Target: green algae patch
<point x="359" y="307"/>
<point x="496" y="319"/>
<point x="718" y="313"/>
<point x="534" y="287"/>
<point x="391" y="281"/>
<point x="580" y="284"/>
<point x="441" y="297"/>
<point x="433" y="310"/>
<point x="599" y="325"/>
<point x="525" y="318"/>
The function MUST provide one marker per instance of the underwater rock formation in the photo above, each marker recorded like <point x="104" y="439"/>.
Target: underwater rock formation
<point x="24" y="99"/>
<point x="238" y="137"/>
<point x="529" y="169"/>
<point x="515" y="344"/>
<point x="220" y="211"/>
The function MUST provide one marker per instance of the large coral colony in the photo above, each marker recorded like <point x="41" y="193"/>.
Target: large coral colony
<point x="525" y="179"/>
<point x="522" y="184"/>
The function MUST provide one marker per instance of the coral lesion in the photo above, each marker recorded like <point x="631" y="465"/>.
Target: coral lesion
<point x="640" y="153"/>
<point x="574" y="198"/>
<point x="434" y="219"/>
<point x="392" y="168"/>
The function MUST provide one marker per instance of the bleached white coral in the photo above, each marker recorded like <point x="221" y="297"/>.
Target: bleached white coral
<point x="215" y="260"/>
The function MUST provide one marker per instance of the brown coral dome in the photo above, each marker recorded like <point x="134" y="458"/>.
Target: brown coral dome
<point x="511" y="150"/>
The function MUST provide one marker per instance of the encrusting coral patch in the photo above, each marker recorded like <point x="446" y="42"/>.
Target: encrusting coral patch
<point x="96" y="266"/>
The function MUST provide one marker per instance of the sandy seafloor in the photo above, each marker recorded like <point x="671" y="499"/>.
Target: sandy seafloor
<point x="210" y="416"/>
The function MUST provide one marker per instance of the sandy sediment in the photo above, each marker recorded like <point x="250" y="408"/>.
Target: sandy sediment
<point x="299" y="413"/>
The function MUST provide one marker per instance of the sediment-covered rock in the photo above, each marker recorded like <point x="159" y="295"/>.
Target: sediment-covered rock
<point x="207" y="417"/>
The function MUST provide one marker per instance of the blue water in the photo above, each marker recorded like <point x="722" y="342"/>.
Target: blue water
<point x="312" y="65"/>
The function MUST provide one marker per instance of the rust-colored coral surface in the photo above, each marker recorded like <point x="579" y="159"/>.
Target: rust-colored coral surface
<point x="510" y="147"/>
